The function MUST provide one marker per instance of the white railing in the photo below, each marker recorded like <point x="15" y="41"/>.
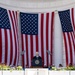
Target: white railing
<point x="37" y="71"/>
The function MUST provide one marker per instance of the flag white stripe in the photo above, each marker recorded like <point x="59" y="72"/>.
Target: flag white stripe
<point x="64" y="56"/>
<point x="23" y="47"/>
<point x="29" y="51"/>
<point x="16" y="34"/>
<point x="72" y="47"/>
<point x="68" y="49"/>
<point x="9" y="46"/>
<point x="12" y="28"/>
<point x="39" y="37"/>
<point x="24" y="42"/>
<point x="71" y="19"/>
<point x="3" y="46"/>
<point x="15" y="20"/>
<point x="44" y="36"/>
<point x="74" y="32"/>
<point x="34" y="45"/>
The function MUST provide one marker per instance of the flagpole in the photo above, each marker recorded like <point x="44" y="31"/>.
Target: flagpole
<point x="19" y="36"/>
<point x="22" y="53"/>
<point x="20" y="43"/>
<point x="2" y="68"/>
<point x="49" y="53"/>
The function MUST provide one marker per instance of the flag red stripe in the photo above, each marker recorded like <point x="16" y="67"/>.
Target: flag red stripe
<point x="22" y="50"/>
<point x="6" y="45"/>
<point x="73" y="25"/>
<point x="66" y="50"/>
<point x="47" y="25"/>
<point x="42" y="40"/>
<point x="37" y="43"/>
<point x="31" y="41"/>
<point x="73" y="18"/>
<point x="12" y="35"/>
<point x="72" y="36"/>
<point x="70" y="46"/>
<point x="11" y="15"/>
<point x="27" y="48"/>
<point x="16" y="30"/>
<point x="15" y="36"/>
<point x="11" y="47"/>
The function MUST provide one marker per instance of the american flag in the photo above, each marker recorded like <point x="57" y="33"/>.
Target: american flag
<point x="68" y="29"/>
<point x="8" y="37"/>
<point x="37" y="35"/>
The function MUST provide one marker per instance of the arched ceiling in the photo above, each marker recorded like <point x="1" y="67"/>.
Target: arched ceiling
<point x="37" y="4"/>
<point x="38" y="0"/>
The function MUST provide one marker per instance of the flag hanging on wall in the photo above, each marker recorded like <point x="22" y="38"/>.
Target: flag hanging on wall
<point x="37" y="35"/>
<point x="68" y="29"/>
<point x="8" y="37"/>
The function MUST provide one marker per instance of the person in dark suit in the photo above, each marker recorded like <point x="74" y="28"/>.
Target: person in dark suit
<point x="37" y="56"/>
<point x="37" y="60"/>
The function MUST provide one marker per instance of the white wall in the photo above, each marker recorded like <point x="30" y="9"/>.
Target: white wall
<point x="47" y="6"/>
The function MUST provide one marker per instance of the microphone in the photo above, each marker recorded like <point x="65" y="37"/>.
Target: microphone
<point x="23" y="52"/>
<point x="49" y="52"/>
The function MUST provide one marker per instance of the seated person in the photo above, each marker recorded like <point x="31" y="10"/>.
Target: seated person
<point x="53" y="67"/>
<point x="60" y="65"/>
<point x="70" y="65"/>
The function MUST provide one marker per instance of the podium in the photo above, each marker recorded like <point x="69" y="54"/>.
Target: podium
<point x="36" y="63"/>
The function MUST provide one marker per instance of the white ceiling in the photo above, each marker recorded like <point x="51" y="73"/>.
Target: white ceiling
<point x="39" y="4"/>
<point x="35" y="0"/>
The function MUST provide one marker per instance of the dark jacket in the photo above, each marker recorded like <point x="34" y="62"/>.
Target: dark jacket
<point x="37" y="57"/>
